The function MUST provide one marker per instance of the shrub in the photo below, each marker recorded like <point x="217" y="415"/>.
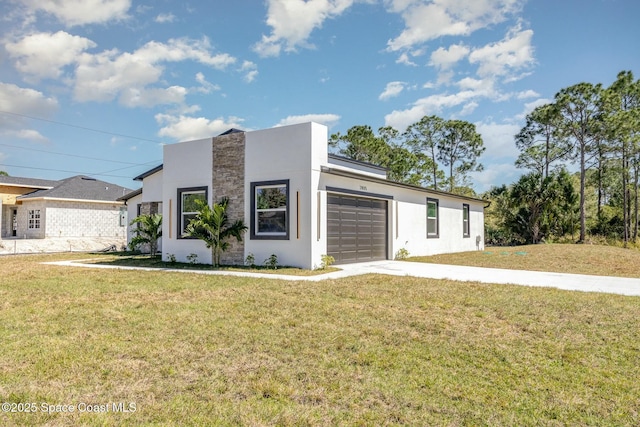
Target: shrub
<point x="272" y="262"/>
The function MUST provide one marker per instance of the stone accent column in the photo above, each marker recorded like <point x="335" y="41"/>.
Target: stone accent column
<point x="228" y="181"/>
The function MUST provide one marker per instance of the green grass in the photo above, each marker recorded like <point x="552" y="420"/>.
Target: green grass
<point x="191" y="349"/>
<point x="560" y="258"/>
<point x="146" y="261"/>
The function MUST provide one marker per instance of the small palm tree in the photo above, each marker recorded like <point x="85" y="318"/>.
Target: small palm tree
<point x="211" y="225"/>
<point x="148" y="232"/>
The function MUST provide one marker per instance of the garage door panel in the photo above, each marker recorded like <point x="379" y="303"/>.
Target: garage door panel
<point x="357" y="228"/>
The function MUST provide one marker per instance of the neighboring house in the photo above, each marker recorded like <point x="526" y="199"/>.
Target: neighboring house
<point x="300" y="202"/>
<point x="79" y="206"/>
<point x="146" y="200"/>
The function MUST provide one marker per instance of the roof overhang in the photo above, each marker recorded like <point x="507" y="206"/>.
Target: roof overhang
<point x="369" y="178"/>
<point x="33" y="187"/>
<point x="60" y="199"/>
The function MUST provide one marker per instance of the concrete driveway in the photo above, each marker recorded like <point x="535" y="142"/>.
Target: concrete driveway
<point x="571" y="282"/>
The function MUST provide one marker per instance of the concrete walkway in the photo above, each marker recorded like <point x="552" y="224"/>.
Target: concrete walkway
<point x="572" y="282"/>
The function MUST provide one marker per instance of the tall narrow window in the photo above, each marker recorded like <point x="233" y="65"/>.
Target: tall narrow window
<point x="465" y="220"/>
<point x="34" y="218"/>
<point x="270" y="210"/>
<point x="433" y="226"/>
<point x="188" y="202"/>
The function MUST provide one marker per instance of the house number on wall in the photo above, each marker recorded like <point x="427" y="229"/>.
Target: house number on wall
<point x="363" y="187"/>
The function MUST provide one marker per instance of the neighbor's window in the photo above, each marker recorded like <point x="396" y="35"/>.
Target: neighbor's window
<point x="432" y="218"/>
<point x="465" y="220"/>
<point x="34" y="218"/>
<point x="270" y="210"/>
<point x="188" y="202"/>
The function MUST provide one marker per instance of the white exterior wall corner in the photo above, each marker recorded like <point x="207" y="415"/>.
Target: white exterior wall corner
<point x="295" y="153"/>
<point x="186" y="164"/>
<point x="132" y="212"/>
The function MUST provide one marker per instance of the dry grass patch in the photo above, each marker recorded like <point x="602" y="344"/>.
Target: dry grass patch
<point x="369" y="350"/>
<point x="560" y="258"/>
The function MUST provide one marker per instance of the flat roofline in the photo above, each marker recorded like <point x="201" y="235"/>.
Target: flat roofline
<point x="357" y="162"/>
<point x="370" y="178"/>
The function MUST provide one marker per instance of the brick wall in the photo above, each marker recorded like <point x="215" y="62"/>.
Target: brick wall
<point x="228" y="181"/>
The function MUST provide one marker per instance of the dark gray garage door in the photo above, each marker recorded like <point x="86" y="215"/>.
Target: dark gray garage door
<point x="356" y="228"/>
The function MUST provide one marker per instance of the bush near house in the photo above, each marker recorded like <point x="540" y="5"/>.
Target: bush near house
<point x="212" y="226"/>
<point x="148" y="231"/>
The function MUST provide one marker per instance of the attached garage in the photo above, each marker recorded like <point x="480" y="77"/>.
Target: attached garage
<point x="356" y="228"/>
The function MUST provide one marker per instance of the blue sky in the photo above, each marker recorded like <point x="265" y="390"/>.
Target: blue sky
<point x="98" y="86"/>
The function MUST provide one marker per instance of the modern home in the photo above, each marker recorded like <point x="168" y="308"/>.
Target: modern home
<point x="78" y="206"/>
<point x="299" y="202"/>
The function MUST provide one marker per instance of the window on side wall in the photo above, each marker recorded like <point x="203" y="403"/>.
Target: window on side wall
<point x="465" y="220"/>
<point x="34" y="218"/>
<point x="188" y="202"/>
<point x="270" y="210"/>
<point x="433" y="219"/>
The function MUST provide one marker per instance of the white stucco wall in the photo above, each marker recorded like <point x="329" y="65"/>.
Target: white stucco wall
<point x="295" y="153"/>
<point x="152" y="187"/>
<point x="187" y="164"/>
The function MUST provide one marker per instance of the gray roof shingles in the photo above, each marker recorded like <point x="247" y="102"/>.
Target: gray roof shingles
<point x="80" y="188"/>
<point x="27" y="182"/>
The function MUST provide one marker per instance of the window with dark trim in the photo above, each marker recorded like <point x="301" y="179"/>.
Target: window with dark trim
<point x="34" y="218"/>
<point x="270" y="210"/>
<point x="465" y="220"/>
<point x="433" y="218"/>
<point x="188" y="207"/>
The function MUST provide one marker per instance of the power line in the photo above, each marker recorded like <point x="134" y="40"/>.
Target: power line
<point x="68" y="171"/>
<point x="80" y="127"/>
<point x="71" y="155"/>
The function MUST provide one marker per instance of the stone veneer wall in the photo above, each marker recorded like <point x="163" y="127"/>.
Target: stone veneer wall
<point x="228" y="181"/>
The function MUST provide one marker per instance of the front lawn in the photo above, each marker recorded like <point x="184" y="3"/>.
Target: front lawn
<point x="191" y="349"/>
<point x="146" y="261"/>
<point x="560" y="258"/>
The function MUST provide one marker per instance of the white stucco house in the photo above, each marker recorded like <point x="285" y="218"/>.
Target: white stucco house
<point x="299" y="202"/>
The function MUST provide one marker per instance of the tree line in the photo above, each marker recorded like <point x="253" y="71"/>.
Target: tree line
<point x="433" y="152"/>
<point x="596" y="131"/>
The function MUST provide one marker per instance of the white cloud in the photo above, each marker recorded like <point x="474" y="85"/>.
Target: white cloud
<point x="111" y="74"/>
<point x="527" y="94"/>
<point x="23" y="101"/>
<point x="81" y="12"/>
<point x="164" y="18"/>
<point x="134" y="97"/>
<point x="185" y="128"/>
<point x="494" y="175"/>
<point x="205" y="86"/>
<point x="404" y="59"/>
<point x="499" y="140"/>
<point x="251" y="70"/>
<point x="25" y="134"/>
<point x="328" y="120"/>
<point x="293" y="21"/>
<point x="27" y="101"/>
<point x="506" y="56"/>
<point x="393" y="89"/>
<point x="43" y="55"/>
<point x="426" y="21"/>
<point x="433" y="104"/>
<point x="444" y="59"/>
